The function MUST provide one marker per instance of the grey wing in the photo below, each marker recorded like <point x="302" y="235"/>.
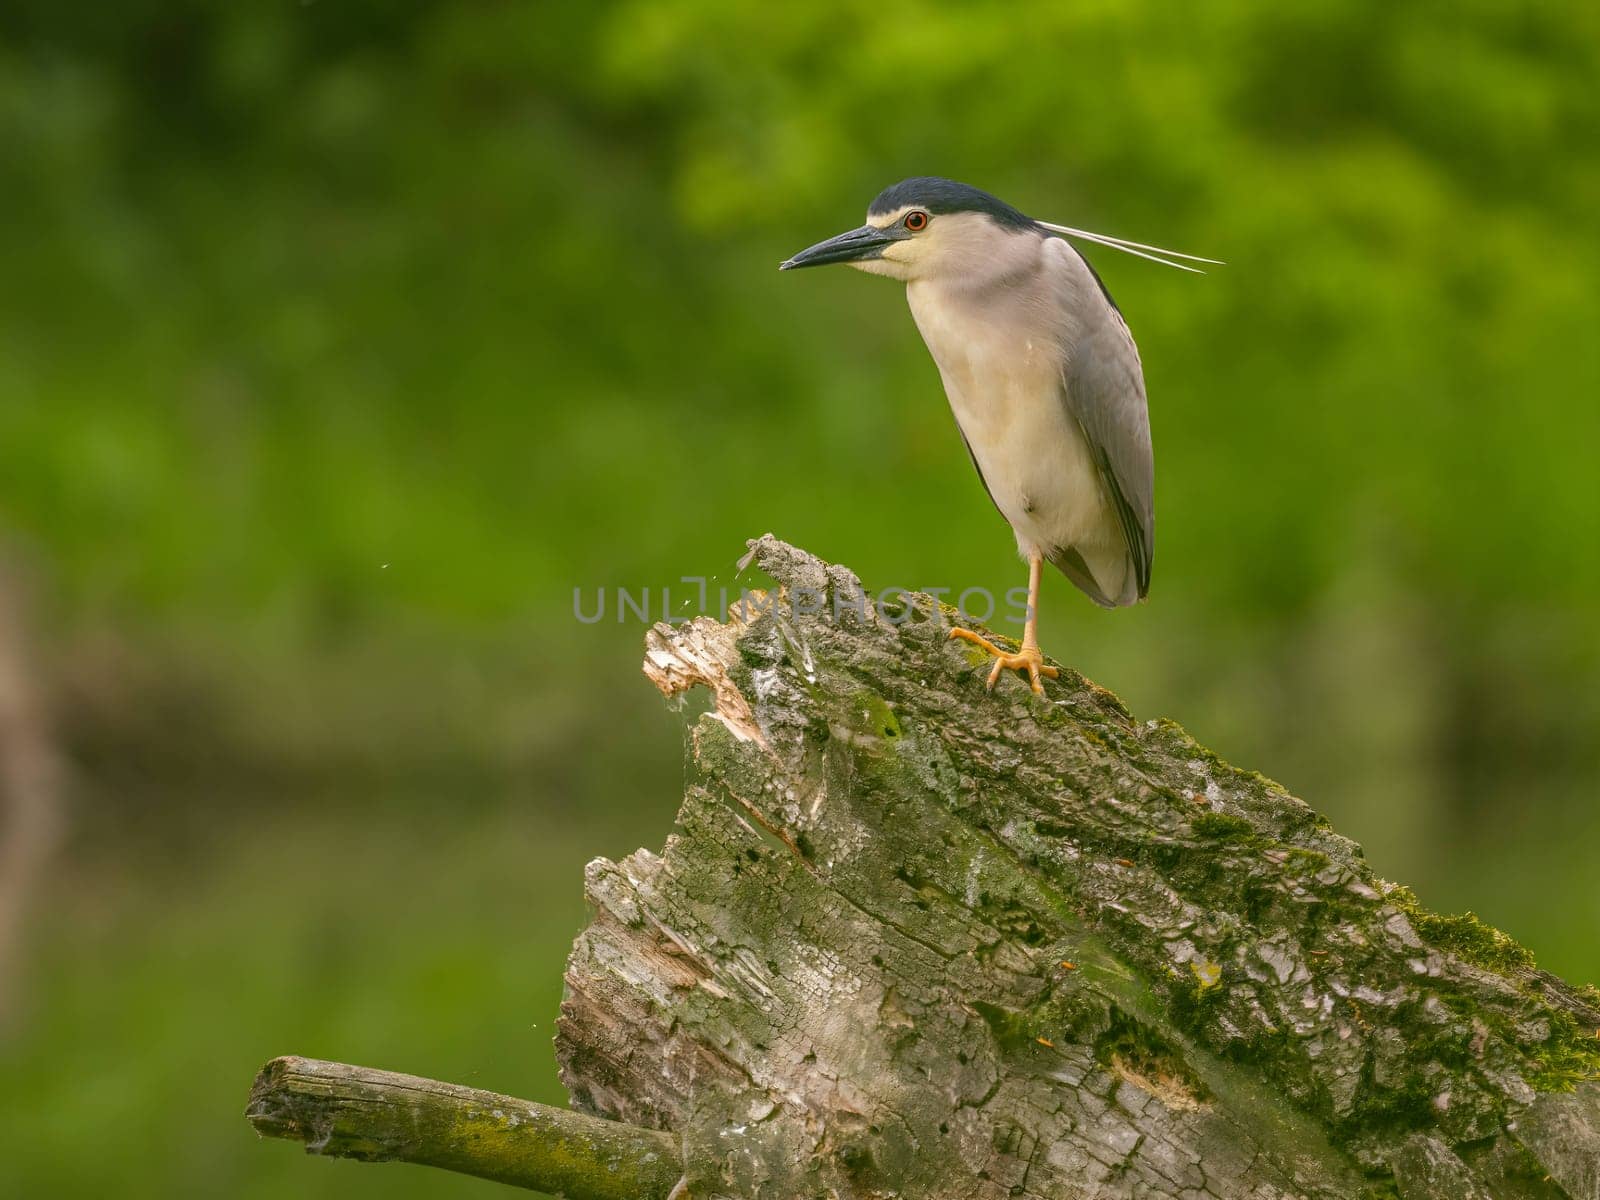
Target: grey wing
<point x="1103" y="387"/>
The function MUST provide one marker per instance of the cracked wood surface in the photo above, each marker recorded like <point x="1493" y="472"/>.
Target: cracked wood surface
<point x="916" y="940"/>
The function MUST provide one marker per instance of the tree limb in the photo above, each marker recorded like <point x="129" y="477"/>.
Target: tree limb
<point x="915" y="940"/>
<point x="381" y="1116"/>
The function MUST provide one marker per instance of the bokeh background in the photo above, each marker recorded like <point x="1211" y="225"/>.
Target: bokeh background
<point x="340" y="342"/>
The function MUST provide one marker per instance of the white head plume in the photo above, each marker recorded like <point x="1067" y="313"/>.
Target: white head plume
<point x="1137" y="249"/>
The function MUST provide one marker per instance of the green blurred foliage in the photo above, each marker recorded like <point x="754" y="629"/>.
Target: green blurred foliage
<point x="340" y="342"/>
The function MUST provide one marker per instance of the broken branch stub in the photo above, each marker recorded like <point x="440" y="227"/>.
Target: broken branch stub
<point x="346" y="1111"/>
<point x="915" y="939"/>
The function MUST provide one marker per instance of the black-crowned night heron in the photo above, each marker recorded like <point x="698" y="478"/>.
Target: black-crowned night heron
<point x="1042" y="375"/>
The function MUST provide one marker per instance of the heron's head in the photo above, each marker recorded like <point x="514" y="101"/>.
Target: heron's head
<point x="928" y="228"/>
<point x="939" y="230"/>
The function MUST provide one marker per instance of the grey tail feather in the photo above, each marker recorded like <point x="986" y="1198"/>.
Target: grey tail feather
<point x="1132" y="531"/>
<point x="1070" y="563"/>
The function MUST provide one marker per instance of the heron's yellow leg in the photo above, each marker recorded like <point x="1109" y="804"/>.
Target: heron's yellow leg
<point x="1027" y="658"/>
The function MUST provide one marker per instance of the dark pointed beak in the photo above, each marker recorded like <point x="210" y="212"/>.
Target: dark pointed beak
<point x="858" y="244"/>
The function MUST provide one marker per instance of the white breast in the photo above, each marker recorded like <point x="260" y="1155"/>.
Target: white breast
<point x="1002" y="371"/>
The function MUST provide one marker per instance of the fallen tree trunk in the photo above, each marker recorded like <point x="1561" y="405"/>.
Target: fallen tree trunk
<point x="919" y="940"/>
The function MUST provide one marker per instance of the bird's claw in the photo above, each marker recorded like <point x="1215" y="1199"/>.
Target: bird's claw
<point x="1027" y="658"/>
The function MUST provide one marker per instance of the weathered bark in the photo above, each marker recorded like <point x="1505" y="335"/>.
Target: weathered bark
<point x="918" y="940"/>
<point x="379" y="1116"/>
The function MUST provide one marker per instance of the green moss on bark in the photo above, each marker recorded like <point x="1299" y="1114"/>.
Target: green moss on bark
<point x="1222" y="827"/>
<point x="1001" y="912"/>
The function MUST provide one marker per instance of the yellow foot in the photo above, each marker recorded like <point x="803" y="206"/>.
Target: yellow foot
<point x="1027" y="659"/>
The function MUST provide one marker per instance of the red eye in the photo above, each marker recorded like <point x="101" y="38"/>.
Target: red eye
<point x="916" y="221"/>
